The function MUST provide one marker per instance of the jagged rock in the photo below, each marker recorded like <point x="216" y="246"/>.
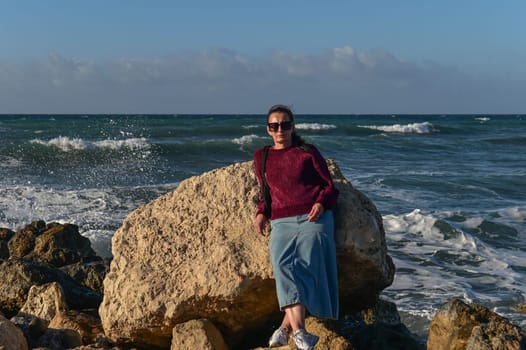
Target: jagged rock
<point x="18" y="276"/>
<point x="459" y="326"/>
<point x="5" y="236"/>
<point x="193" y="253"/>
<point x="23" y="242"/>
<point x="88" y="326"/>
<point x="54" y="243"/>
<point x="90" y="274"/>
<point x="197" y="334"/>
<point x="45" y="301"/>
<point x="60" y="339"/>
<point x="11" y="337"/>
<point x="496" y="336"/>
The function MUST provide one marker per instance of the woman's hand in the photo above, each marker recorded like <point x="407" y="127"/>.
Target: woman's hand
<point x="259" y="223"/>
<point x="316" y="212"/>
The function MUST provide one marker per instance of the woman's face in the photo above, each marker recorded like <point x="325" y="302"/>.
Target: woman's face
<point x="282" y="138"/>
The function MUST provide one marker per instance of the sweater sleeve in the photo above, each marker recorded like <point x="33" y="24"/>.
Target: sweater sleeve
<point x="328" y="196"/>
<point x="257" y="171"/>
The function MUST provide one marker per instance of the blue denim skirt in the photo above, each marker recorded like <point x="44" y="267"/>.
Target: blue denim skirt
<point x="303" y="256"/>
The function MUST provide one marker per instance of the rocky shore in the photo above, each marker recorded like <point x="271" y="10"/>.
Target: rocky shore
<point x="188" y="272"/>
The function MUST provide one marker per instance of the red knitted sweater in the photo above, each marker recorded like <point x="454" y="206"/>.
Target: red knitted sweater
<point x="297" y="179"/>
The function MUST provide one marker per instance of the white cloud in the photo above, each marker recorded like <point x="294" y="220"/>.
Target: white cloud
<point x="340" y="80"/>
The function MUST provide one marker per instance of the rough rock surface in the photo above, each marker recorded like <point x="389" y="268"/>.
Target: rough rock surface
<point x="45" y="301"/>
<point x="197" y="334"/>
<point x="11" y="337"/>
<point x="5" y="236"/>
<point x="40" y="253"/>
<point x="459" y="326"/>
<point x="193" y="253"/>
<point x="18" y="276"/>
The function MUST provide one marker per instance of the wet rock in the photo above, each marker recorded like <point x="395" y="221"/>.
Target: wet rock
<point x="459" y="326"/>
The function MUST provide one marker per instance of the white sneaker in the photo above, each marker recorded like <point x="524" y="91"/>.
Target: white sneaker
<point x="280" y="337"/>
<point x="304" y="340"/>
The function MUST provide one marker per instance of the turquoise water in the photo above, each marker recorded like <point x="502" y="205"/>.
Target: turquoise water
<point x="451" y="189"/>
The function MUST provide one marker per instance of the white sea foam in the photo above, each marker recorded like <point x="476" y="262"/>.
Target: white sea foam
<point x="67" y="144"/>
<point x="435" y="266"/>
<point x="414" y="128"/>
<point x="314" y="126"/>
<point x="252" y="126"/>
<point x="245" y="140"/>
<point x="516" y="213"/>
<point x="97" y="212"/>
<point x="483" y="119"/>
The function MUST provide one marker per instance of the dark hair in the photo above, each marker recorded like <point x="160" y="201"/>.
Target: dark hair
<point x="297" y="140"/>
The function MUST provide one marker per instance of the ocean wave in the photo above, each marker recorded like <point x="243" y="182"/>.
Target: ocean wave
<point x="67" y="144"/>
<point x="413" y="128"/>
<point x="515" y="213"/>
<point x="483" y="119"/>
<point x="438" y="259"/>
<point x="245" y="140"/>
<point x="314" y="126"/>
<point x="252" y="126"/>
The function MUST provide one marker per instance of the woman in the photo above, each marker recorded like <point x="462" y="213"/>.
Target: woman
<point x="302" y="247"/>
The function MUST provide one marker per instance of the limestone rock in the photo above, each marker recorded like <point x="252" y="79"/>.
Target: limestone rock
<point x="197" y="334"/>
<point x="45" y="301"/>
<point x="193" y="253"/>
<point x="459" y="326"/>
<point x="60" y="339"/>
<point x="55" y="244"/>
<point x="88" y="326"/>
<point x="5" y="236"/>
<point x="496" y="336"/>
<point x="18" y="276"/>
<point x="11" y="338"/>
<point x="23" y="242"/>
<point x="90" y="274"/>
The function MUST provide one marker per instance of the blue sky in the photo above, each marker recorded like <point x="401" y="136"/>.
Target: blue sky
<point x="241" y="56"/>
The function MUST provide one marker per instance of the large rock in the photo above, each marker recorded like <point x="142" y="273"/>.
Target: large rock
<point x="18" y="276"/>
<point x="197" y="334"/>
<point x="37" y="253"/>
<point x="55" y="244"/>
<point x="193" y="253"/>
<point x="5" y="236"/>
<point x="459" y="326"/>
<point x="11" y="338"/>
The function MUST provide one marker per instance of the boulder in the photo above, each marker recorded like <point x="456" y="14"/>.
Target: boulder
<point x="11" y="337"/>
<point x="5" y="236"/>
<point x="88" y="326"/>
<point x="193" y="254"/>
<point x="460" y="326"/>
<point x="45" y="301"/>
<point x="18" y="276"/>
<point x="55" y="244"/>
<point x="197" y="334"/>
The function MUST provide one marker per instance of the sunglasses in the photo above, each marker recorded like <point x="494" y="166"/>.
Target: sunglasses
<point x="286" y="125"/>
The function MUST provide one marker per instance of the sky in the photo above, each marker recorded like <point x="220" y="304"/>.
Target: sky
<point x="237" y="57"/>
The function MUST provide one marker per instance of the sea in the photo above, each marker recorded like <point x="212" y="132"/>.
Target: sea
<point x="451" y="188"/>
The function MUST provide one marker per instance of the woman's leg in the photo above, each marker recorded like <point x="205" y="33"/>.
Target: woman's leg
<point x="294" y="317"/>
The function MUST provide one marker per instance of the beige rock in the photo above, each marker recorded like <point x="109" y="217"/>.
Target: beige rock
<point x="11" y="337"/>
<point x="329" y="339"/>
<point x="459" y="326"/>
<point x="193" y="253"/>
<point x="197" y="334"/>
<point x="89" y="327"/>
<point x="45" y="301"/>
